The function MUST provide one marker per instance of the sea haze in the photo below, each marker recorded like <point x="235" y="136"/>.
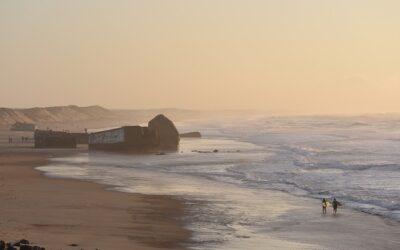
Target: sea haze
<point x="355" y="159"/>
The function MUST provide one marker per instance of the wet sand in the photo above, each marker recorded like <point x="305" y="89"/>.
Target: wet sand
<point x="56" y="212"/>
<point x="305" y="224"/>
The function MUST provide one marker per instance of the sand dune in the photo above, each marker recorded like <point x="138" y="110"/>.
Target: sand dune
<point x="54" y="114"/>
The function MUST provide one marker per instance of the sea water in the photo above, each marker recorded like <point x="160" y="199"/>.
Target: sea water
<point x="355" y="159"/>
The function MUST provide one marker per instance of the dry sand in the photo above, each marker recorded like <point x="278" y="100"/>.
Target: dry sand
<point x="55" y="212"/>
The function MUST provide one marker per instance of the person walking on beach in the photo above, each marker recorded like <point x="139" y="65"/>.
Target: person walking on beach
<point x="335" y="205"/>
<point x="324" y="205"/>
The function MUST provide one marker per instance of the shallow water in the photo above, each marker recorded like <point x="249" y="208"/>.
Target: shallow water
<point x="355" y="159"/>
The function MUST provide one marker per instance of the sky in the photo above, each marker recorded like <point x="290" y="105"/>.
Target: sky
<point x="289" y="56"/>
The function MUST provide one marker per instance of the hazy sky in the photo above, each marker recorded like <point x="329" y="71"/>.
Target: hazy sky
<point x="305" y="56"/>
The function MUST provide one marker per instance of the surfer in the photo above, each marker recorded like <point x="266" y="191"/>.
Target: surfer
<point x="335" y="205"/>
<point x="324" y="205"/>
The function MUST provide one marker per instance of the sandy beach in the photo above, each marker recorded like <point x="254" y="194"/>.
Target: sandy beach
<point x="56" y="213"/>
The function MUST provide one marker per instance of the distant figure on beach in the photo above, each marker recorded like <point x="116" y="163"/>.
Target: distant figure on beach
<point x="324" y="205"/>
<point x="335" y="205"/>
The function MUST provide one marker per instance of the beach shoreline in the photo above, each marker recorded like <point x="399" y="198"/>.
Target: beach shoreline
<point x="55" y="213"/>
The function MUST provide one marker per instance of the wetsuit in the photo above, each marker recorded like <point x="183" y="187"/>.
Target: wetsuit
<point x="324" y="205"/>
<point x="335" y="205"/>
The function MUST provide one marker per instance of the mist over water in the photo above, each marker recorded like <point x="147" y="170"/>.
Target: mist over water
<point x="355" y="159"/>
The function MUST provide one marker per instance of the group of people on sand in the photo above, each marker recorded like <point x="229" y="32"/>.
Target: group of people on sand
<point x="325" y="204"/>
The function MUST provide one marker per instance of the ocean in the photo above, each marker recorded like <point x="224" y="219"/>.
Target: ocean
<point x="355" y="159"/>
